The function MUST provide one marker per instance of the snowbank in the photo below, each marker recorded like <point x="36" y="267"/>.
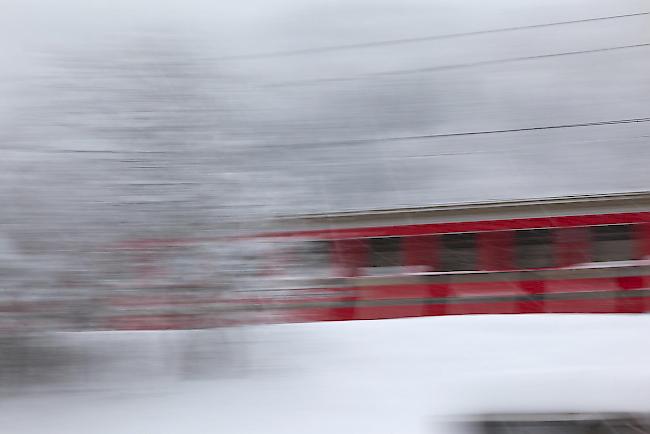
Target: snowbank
<point x="389" y="376"/>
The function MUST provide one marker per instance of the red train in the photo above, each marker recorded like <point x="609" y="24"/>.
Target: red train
<point x="585" y="254"/>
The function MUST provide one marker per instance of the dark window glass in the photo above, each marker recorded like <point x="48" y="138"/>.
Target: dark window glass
<point x="533" y="249"/>
<point x="385" y="252"/>
<point x="612" y="243"/>
<point x="458" y="252"/>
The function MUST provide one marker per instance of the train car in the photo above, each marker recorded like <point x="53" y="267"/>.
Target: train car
<point x="577" y="254"/>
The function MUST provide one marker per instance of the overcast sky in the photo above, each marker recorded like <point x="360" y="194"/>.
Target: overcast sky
<point x="562" y="90"/>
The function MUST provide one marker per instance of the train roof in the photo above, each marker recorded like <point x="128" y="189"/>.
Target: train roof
<point x="437" y="218"/>
<point x="576" y="205"/>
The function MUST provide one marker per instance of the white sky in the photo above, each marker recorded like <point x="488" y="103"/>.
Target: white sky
<point x="585" y="88"/>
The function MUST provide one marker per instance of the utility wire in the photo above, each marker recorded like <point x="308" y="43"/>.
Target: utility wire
<point x="475" y="133"/>
<point x="403" y="41"/>
<point x="627" y="141"/>
<point x="452" y="66"/>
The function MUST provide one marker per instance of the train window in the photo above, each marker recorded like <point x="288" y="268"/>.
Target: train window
<point x="306" y="259"/>
<point x="385" y="252"/>
<point x="458" y="252"/>
<point x="316" y="257"/>
<point x="533" y="249"/>
<point x="612" y="243"/>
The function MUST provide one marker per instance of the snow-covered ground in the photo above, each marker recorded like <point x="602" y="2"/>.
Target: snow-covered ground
<point x="389" y="376"/>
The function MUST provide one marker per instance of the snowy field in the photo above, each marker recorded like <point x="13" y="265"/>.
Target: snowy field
<point x="390" y="376"/>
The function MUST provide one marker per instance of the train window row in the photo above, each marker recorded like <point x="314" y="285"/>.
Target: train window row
<point x="518" y="249"/>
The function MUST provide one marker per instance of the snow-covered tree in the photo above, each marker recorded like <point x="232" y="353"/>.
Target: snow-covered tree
<point x="132" y="141"/>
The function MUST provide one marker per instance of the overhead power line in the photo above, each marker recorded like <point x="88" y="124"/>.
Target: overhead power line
<point x="453" y="66"/>
<point x="414" y="40"/>
<point x="622" y="141"/>
<point x="475" y="133"/>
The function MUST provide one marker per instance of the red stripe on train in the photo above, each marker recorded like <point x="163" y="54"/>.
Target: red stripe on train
<point x="473" y="226"/>
<point x="617" y="297"/>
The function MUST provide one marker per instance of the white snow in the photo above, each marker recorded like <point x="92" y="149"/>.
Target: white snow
<point x="380" y="377"/>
